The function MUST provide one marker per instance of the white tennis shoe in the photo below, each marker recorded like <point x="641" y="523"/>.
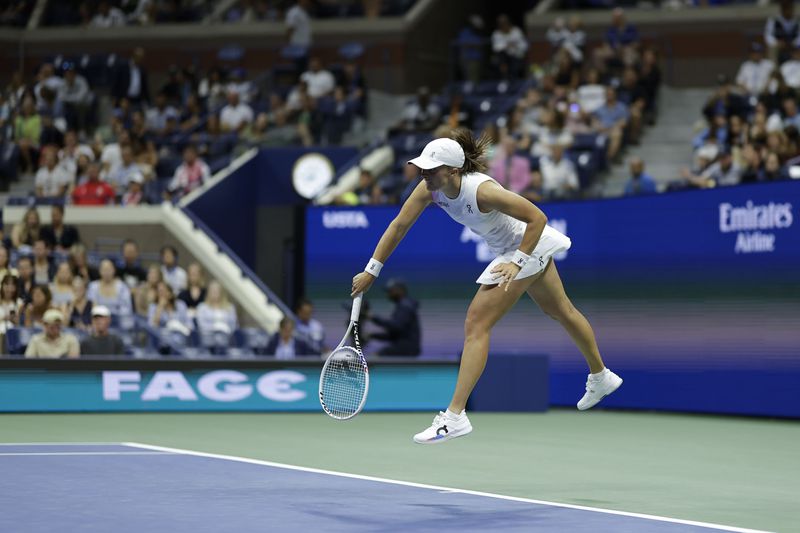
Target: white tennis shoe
<point x="445" y="427"/>
<point x="598" y="387"/>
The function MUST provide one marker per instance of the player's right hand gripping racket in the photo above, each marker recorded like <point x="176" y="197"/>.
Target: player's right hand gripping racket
<point x="344" y="381"/>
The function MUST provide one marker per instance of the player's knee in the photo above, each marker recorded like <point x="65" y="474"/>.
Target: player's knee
<point x="474" y="326"/>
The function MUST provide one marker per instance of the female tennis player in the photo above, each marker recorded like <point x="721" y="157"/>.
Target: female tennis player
<point x="515" y="230"/>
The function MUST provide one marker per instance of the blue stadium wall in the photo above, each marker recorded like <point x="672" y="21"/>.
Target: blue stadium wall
<point x="694" y="297"/>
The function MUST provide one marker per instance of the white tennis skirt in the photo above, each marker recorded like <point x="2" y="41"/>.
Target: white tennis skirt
<point x="551" y="243"/>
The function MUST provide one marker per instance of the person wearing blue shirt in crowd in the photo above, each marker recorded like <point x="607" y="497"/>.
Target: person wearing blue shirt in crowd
<point x="611" y="120"/>
<point x="401" y="330"/>
<point x="640" y="182"/>
<point x="284" y="345"/>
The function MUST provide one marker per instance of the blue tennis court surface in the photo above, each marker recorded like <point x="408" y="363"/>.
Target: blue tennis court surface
<point x="132" y="488"/>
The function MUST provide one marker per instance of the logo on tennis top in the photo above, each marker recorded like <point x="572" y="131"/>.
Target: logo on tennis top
<point x="469" y="209"/>
<point x="443" y="428"/>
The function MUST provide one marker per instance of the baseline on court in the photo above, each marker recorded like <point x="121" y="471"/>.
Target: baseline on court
<point x="131" y="487"/>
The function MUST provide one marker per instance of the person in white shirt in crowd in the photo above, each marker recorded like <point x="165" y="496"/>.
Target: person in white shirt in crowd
<point x="559" y="177"/>
<point x="591" y="94"/>
<point x="320" y="81"/>
<point x="298" y="24"/>
<point x="237" y="83"/>
<point x="216" y="313"/>
<point x="190" y="175"/>
<point x="509" y="47"/>
<point x="754" y="73"/>
<point x="107" y="16"/>
<point x="310" y="328"/>
<point x="156" y="116"/>
<point x="120" y="177"/>
<point x="791" y="69"/>
<point x="174" y="275"/>
<point x="235" y="116"/>
<point x="111" y="154"/>
<point x="72" y="150"/>
<point x="422" y="114"/>
<point x="51" y="181"/>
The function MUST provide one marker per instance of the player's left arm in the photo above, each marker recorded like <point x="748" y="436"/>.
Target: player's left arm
<point x="491" y="196"/>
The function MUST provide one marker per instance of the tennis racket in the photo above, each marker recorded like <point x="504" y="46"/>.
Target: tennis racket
<point x="344" y="380"/>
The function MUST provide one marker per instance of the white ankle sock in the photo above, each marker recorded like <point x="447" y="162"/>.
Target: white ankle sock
<point x="451" y="414"/>
<point x="599" y="374"/>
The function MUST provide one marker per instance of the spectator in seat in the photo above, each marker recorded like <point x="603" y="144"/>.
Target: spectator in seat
<point x="28" y="230"/>
<point x="135" y="193"/>
<point x="235" y="116"/>
<point x="53" y="343"/>
<point x="559" y="177"/>
<point x="754" y="73"/>
<point x="101" y="342"/>
<point x="320" y="82"/>
<point x="284" y="345"/>
<point x="51" y="180"/>
<point x="95" y="191"/>
<point x="110" y="290"/>
<point x="216" y="313"/>
<point x="173" y="274"/>
<point x="57" y="235"/>
<point x="10" y="303"/>
<point x="43" y="267"/>
<point x="147" y="293"/>
<point x="298" y="31"/>
<point x="167" y="311"/>
<point x="25" y="282"/>
<point x="27" y="130"/>
<point x="118" y="177"/>
<point x="33" y="311"/>
<point x="782" y="32"/>
<point x="78" y="258"/>
<point x="189" y="175"/>
<point x="108" y="16"/>
<point x="611" y="120"/>
<point x="508" y="168"/>
<point x="509" y="47"/>
<point x="129" y="267"/>
<point x="131" y="80"/>
<point x="61" y="288"/>
<point x="76" y="97"/>
<point x="640" y="182"/>
<point x="791" y="68"/>
<point x="309" y="327"/>
<point x="422" y="114"/>
<point x="80" y="309"/>
<point x="195" y="292"/>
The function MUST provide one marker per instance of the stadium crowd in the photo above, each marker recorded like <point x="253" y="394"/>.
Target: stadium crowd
<point x="750" y="130"/>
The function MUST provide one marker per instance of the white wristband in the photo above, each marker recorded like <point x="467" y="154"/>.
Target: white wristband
<point x="520" y="258"/>
<point x="374" y="267"/>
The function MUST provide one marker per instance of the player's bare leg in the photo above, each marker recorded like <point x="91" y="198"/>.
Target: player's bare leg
<point x="548" y="293"/>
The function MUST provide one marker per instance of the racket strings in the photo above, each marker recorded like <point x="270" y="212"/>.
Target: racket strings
<point x="343" y="383"/>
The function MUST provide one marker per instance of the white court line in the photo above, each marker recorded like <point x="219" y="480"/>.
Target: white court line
<point x="18" y="454"/>
<point x="439" y="488"/>
<point x="60" y="444"/>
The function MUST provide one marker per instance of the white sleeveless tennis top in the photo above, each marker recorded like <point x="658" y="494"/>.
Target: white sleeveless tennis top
<point x="502" y="233"/>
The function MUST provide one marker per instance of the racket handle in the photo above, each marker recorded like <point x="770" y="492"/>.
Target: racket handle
<point x="356" y="307"/>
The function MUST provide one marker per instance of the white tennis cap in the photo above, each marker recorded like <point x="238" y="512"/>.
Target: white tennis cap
<point x="440" y="152"/>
